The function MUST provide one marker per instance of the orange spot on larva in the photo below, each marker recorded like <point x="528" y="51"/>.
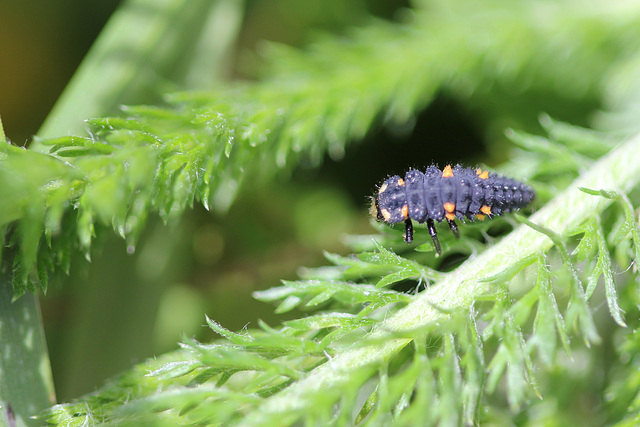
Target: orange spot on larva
<point x="400" y="182"/>
<point x="450" y="216"/>
<point x="449" y="207"/>
<point x="447" y="172"/>
<point x="405" y="211"/>
<point x="486" y="210"/>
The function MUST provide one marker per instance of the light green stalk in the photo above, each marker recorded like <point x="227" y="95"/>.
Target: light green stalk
<point x="145" y="45"/>
<point x="27" y="385"/>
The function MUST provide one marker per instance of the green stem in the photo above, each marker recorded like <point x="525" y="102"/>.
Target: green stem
<point x="145" y="45"/>
<point x="26" y="385"/>
<point x="619" y="171"/>
<point x="3" y="137"/>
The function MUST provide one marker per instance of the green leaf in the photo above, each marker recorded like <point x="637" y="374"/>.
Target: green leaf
<point x="578" y="312"/>
<point x="548" y="321"/>
<point x="231" y="336"/>
<point x="603" y="266"/>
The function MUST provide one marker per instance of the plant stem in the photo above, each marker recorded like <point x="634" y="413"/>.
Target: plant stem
<point x="619" y="171"/>
<point x="26" y="387"/>
<point x="145" y="45"/>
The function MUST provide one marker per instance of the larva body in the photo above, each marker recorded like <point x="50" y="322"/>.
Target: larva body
<point x="438" y="195"/>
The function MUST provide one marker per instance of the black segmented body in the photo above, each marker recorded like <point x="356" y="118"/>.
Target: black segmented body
<point x="457" y="192"/>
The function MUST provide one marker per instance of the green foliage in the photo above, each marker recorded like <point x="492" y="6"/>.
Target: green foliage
<point x="498" y="331"/>
<point x="374" y="355"/>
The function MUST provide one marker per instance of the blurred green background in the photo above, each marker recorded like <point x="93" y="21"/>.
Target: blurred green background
<point x="124" y="307"/>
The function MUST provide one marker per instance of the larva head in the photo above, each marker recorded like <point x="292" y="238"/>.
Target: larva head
<point x="390" y="203"/>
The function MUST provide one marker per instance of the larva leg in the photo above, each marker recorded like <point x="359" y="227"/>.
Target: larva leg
<point x="408" y="235"/>
<point x="434" y="236"/>
<point x="454" y="227"/>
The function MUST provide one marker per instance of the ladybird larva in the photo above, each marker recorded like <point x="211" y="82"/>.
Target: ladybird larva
<point x="447" y="194"/>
